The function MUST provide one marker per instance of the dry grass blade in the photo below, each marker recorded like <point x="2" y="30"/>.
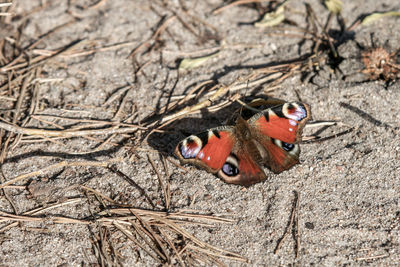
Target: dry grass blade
<point x="134" y="184"/>
<point x="378" y="15"/>
<point x="273" y="74"/>
<point x="55" y="219"/>
<point x="168" y="186"/>
<point x="120" y="92"/>
<point x="318" y="139"/>
<point x="171" y="245"/>
<point x="40" y="60"/>
<point x="5" y="5"/>
<point x="12" y="65"/>
<point x="104" y="247"/>
<point x="169" y="215"/>
<point x="3" y="14"/>
<point x="159" y="229"/>
<point x="92" y="123"/>
<point x="191" y="63"/>
<point x="373" y="257"/>
<point x="212" y="253"/>
<point x="55" y="205"/>
<point x="315" y="137"/>
<point x="291" y="225"/>
<point x="153" y="37"/>
<point x="159" y="233"/>
<point x="220" y="252"/>
<point x="97" y="193"/>
<point x="60" y="165"/>
<point x="38" y="211"/>
<point x="133" y="239"/>
<point x="220" y="92"/>
<point x="67" y="133"/>
<point x="236" y="3"/>
<point x="163" y="188"/>
<point x="71" y="53"/>
<point x="4" y="216"/>
<point x="153" y="234"/>
<point x="148" y="238"/>
<point x="191" y="94"/>
<point x="313" y="124"/>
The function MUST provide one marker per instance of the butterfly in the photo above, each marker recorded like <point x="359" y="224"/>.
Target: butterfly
<point x="238" y="153"/>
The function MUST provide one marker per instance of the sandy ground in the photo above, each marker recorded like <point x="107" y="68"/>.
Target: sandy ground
<point x="348" y="187"/>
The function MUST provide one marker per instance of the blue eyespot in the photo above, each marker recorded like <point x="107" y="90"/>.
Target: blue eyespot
<point x="287" y="146"/>
<point x="229" y="169"/>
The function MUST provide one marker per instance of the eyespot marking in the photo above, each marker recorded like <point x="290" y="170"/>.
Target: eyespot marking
<point x="291" y="148"/>
<point x="231" y="166"/>
<point x="294" y="111"/>
<point x="190" y="147"/>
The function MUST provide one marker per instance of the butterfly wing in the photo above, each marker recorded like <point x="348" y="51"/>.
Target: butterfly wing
<point x="208" y="149"/>
<point x="278" y="129"/>
<point x="219" y="151"/>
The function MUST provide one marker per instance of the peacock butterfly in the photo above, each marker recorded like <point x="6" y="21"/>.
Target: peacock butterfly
<point x="266" y="132"/>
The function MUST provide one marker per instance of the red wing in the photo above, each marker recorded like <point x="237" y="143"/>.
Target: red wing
<point x="209" y="149"/>
<point x="283" y="122"/>
<point x="280" y="155"/>
<point x="241" y="169"/>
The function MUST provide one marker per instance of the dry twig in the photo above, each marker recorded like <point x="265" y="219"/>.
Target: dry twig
<point x="290" y="226"/>
<point x="60" y="165"/>
<point x="67" y="133"/>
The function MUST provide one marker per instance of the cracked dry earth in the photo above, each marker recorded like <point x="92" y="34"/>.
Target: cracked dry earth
<point x="348" y="187"/>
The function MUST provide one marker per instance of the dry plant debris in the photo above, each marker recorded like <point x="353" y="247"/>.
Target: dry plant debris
<point x="160" y="234"/>
<point x="380" y="64"/>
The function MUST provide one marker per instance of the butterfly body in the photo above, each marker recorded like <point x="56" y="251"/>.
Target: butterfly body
<point x="238" y="153"/>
